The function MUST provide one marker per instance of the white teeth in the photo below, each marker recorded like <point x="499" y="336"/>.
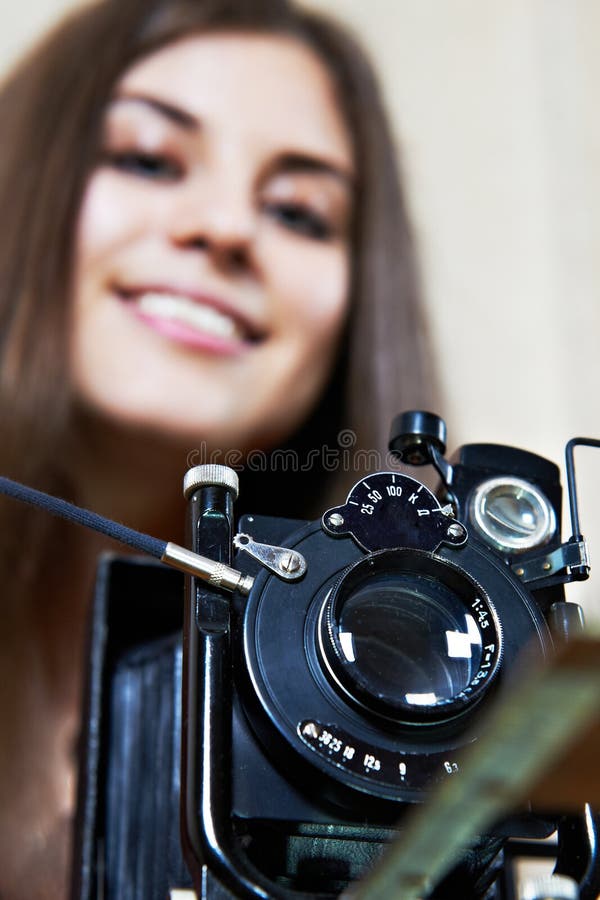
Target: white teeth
<point x="189" y="312"/>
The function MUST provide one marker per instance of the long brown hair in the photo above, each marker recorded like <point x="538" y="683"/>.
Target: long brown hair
<point x="51" y="109"/>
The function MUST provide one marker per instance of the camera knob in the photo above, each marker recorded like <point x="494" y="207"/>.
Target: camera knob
<point x="208" y="475"/>
<point x="414" y="434"/>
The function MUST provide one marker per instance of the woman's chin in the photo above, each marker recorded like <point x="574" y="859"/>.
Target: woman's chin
<point x="211" y="421"/>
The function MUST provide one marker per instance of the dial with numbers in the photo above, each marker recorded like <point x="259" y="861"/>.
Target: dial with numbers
<point x="381" y="765"/>
<point x="389" y="511"/>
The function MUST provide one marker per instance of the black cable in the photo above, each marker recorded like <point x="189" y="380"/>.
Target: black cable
<point x="78" y="515"/>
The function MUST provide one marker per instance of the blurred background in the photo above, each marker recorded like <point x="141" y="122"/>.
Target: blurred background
<point x="494" y="105"/>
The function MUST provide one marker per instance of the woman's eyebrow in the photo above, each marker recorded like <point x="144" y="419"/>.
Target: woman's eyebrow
<point x="305" y="162"/>
<point x="168" y="110"/>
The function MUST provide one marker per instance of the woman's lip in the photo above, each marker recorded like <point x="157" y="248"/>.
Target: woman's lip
<point x="191" y="337"/>
<point x="254" y="331"/>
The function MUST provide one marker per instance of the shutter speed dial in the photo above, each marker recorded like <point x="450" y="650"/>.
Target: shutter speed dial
<point x="390" y="510"/>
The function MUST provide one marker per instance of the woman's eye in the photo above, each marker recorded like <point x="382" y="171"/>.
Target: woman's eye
<point x="144" y="165"/>
<point x="301" y="219"/>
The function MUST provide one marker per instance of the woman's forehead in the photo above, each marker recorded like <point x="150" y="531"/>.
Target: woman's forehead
<point x="270" y="87"/>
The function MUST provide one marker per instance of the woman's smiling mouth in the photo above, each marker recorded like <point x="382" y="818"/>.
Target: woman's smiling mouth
<point x="195" y="320"/>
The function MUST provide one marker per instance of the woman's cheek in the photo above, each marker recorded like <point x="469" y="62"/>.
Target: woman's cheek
<point x="110" y="213"/>
<point x="316" y="283"/>
<point x="332" y="292"/>
<point x="97" y="218"/>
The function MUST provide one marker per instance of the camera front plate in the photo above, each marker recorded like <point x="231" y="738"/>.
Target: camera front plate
<point x="308" y="727"/>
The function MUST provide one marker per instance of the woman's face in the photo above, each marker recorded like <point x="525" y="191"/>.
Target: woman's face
<point x="212" y="263"/>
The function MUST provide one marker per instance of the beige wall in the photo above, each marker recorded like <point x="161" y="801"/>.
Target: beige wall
<point x="21" y="23"/>
<point x="495" y="103"/>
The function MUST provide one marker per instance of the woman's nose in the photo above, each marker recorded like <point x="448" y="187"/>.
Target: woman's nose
<point x="217" y="218"/>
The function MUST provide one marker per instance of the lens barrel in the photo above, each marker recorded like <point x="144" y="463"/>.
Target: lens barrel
<point x="409" y="637"/>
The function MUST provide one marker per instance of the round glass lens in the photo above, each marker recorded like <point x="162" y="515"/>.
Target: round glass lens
<point x="513" y="514"/>
<point x="408" y="639"/>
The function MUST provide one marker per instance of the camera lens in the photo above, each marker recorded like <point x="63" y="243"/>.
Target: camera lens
<point x="410" y="636"/>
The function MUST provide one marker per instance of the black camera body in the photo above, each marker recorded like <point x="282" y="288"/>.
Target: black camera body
<point x="336" y="651"/>
<point x="319" y="708"/>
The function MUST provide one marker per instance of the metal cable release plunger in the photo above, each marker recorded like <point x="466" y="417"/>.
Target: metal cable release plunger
<point x="216" y="573"/>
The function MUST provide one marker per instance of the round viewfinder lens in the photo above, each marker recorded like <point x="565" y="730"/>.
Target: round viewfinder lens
<point x="512" y="514"/>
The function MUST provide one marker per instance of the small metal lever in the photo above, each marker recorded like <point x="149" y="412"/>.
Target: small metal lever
<point x="287" y="564"/>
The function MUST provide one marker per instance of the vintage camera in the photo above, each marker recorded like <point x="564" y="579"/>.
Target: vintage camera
<point x="313" y="712"/>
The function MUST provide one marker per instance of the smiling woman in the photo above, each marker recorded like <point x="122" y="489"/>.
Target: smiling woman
<point x="208" y="247"/>
<point x="213" y="243"/>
